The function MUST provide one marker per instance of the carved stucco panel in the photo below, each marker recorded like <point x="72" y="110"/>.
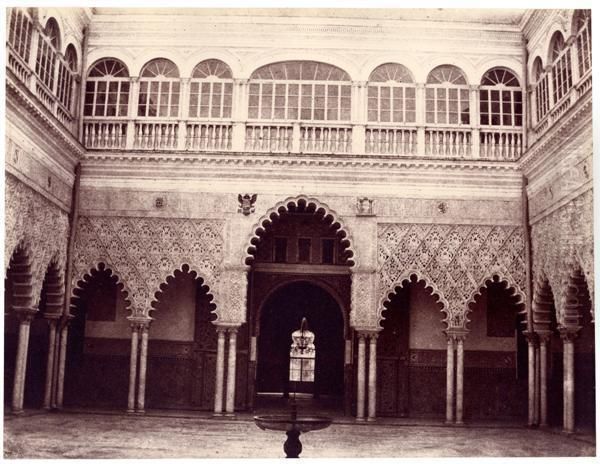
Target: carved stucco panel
<point x="39" y="225"/>
<point x="454" y="260"/>
<point x="364" y="299"/>
<point x="231" y="291"/>
<point x="562" y="242"/>
<point x="143" y="252"/>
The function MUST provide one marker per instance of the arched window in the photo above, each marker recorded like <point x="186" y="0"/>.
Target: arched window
<point x="211" y="88"/>
<point x="159" y="89"/>
<point x="583" y="24"/>
<point x="107" y="89"/>
<point x="500" y="99"/>
<point x="447" y="96"/>
<point x="48" y="44"/>
<point x="19" y="33"/>
<point x="300" y="90"/>
<point x="562" y="79"/>
<point x="391" y="94"/>
<point x="66" y="73"/>
<point x="542" y="98"/>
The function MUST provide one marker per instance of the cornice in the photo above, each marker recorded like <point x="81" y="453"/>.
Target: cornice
<point x="557" y="136"/>
<point x="249" y="160"/>
<point x="29" y="102"/>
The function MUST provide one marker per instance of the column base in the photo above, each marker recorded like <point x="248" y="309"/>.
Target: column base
<point x="360" y="419"/>
<point x="371" y="419"/>
<point x="229" y="414"/>
<point x="217" y="415"/>
<point x="459" y="423"/>
<point x="449" y="422"/>
<point x="17" y="412"/>
<point x="130" y="411"/>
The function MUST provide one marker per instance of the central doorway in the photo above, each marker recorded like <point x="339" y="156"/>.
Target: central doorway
<point x="281" y="314"/>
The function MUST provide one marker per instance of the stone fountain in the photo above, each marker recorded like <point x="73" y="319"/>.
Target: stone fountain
<point x="302" y="371"/>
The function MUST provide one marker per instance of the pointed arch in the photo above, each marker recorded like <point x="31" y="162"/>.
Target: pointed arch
<point x="408" y="276"/>
<point x="80" y="283"/>
<point x="498" y="278"/>
<point x="197" y="274"/>
<point x="19" y="274"/>
<point x="312" y="205"/>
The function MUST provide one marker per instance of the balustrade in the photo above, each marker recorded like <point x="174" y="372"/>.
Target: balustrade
<point x="502" y="144"/>
<point x="269" y="138"/>
<point x="155" y="135"/>
<point x="388" y="141"/>
<point x="18" y="66"/>
<point x="448" y="143"/>
<point x="105" y="134"/>
<point x="325" y="139"/>
<point x="204" y="136"/>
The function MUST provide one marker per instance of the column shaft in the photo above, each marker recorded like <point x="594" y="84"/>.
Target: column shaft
<point x="530" y="381"/>
<point x="372" y="377"/>
<point x="141" y="399"/>
<point x="544" y="382"/>
<point x="231" y="364"/>
<point x="536" y="402"/>
<point x="569" y="386"/>
<point x="460" y="356"/>
<point x="21" y="365"/>
<point x="132" y="369"/>
<point x="450" y="381"/>
<point x="50" y="364"/>
<point x="62" y="359"/>
<point x="220" y="372"/>
<point x="360" y="379"/>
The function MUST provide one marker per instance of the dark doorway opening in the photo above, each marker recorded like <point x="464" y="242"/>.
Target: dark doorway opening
<point x="281" y="314"/>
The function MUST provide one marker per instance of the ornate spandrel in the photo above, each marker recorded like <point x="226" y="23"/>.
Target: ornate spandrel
<point x="302" y="354"/>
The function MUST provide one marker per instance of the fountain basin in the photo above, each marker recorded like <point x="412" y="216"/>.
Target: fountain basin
<point x="287" y="423"/>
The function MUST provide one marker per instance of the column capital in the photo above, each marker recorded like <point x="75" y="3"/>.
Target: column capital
<point x="544" y="335"/>
<point x="359" y="83"/>
<point x="474" y="87"/>
<point x="456" y="334"/>
<point x="571" y="40"/>
<point x="25" y="314"/>
<point x="134" y="79"/>
<point x="367" y="332"/>
<point x="239" y="81"/>
<point x="531" y="337"/>
<point x="568" y="334"/>
<point x="420" y="85"/>
<point x="138" y="323"/>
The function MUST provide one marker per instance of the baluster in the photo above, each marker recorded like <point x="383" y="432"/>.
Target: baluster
<point x="213" y="136"/>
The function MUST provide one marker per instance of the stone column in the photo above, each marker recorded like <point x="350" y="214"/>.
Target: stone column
<point x="231" y="365"/>
<point x="360" y="379"/>
<point x="220" y="370"/>
<point x="239" y="114"/>
<point x="133" y="368"/>
<point x="450" y="380"/>
<point x="62" y="360"/>
<point x="544" y="339"/>
<point x="536" y="380"/>
<point x="25" y="317"/>
<point x="531" y="341"/>
<point x="420" y="118"/>
<point x="184" y="102"/>
<point x="568" y="337"/>
<point x="474" y="116"/>
<point x="358" y="116"/>
<point x="132" y="108"/>
<point x="52" y="322"/>
<point x="460" y="356"/>
<point x="141" y="399"/>
<point x="372" y="410"/>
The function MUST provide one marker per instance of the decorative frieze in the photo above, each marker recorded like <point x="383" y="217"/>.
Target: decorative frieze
<point x="562" y="243"/>
<point x="143" y="252"/>
<point x="39" y="225"/>
<point x="454" y="260"/>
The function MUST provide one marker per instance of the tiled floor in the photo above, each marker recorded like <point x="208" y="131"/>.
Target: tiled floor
<point x="159" y="434"/>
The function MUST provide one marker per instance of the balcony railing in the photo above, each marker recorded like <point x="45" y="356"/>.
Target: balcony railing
<point x="448" y="142"/>
<point x="501" y="144"/>
<point x="25" y="74"/>
<point x="391" y="141"/>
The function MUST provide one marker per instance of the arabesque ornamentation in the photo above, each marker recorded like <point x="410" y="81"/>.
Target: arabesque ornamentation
<point x="143" y="252"/>
<point x="452" y="259"/>
<point x="562" y="243"/>
<point x="39" y="225"/>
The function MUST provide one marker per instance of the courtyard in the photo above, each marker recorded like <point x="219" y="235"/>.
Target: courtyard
<point x="161" y="434"/>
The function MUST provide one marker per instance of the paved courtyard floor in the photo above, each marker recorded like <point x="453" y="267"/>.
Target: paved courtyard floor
<point x="71" y="434"/>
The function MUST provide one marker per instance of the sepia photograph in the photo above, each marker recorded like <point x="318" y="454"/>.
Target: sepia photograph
<point x="279" y="231"/>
